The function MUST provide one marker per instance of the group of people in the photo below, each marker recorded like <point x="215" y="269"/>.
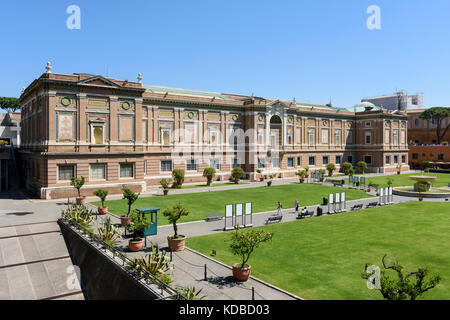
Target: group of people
<point x="297" y="208"/>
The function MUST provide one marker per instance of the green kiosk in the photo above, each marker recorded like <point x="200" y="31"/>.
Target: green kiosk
<point x="152" y="214"/>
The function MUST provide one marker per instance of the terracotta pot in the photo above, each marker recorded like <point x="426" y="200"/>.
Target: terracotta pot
<point x="166" y="192"/>
<point x="269" y="183"/>
<point x="102" y="211"/>
<point x="261" y="179"/>
<point x="125" y="221"/>
<point x="241" y="274"/>
<point x="136" y="245"/>
<point x="176" y="244"/>
<point x="81" y="201"/>
<point x="321" y="180"/>
<point x="302" y="180"/>
<point x="378" y="194"/>
<point x="420" y="199"/>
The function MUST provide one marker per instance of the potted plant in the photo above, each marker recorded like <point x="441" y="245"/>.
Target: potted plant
<point x="301" y="174"/>
<point x="108" y="233"/>
<point x="165" y="183"/>
<point x="209" y="174"/>
<point x="237" y="173"/>
<point x="331" y="167"/>
<point x="348" y="168"/>
<point x="362" y="166"/>
<point x="243" y="244"/>
<point x="176" y="242"/>
<point x="399" y="169"/>
<point x="322" y="172"/>
<point x="131" y="198"/>
<point x="261" y="178"/>
<point x="78" y="184"/>
<point x="137" y="226"/>
<point x="271" y="177"/>
<point x="102" y="195"/>
<point x="3" y="143"/>
<point x="307" y="172"/>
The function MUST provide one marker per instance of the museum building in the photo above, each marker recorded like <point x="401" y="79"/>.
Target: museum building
<point x="117" y="133"/>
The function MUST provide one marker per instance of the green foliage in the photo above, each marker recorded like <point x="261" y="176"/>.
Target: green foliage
<point x="237" y="173"/>
<point x="259" y="171"/>
<point x="157" y="262"/>
<point x="165" y="183"/>
<point x="178" y="178"/>
<point x="402" y="287"/>
<point x="347" y="167"/>
<point x="102" y="195"/>
<point x="174" y="214"/>
<point x="362" y="166"/>
<point x="3" y="143"/>
<point x="445" y="143"/>
<point x="109" y="233"/>
<point x="79" y="214"/>
<point x="190" y="293"/>
<point x="77" y="184"/>
<point x="301" y="174"/>
<point x="9" y="104"/>
<point x="439" y="114"/>
<point x="271" y="176"/>
<point x="322" y="171"/>
<point x="139" y="224"/>
<point x="371" y="184"/>
<point x="130" y="196"/>
<point x="243" y="243"/>
<point x="209" y="174"/>
<point x="390" y="181"/>
<point x="331" y="167"/>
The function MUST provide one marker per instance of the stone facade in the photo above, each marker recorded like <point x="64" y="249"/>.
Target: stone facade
<point x="424" y="131"/>
<point x="118" y="133"/>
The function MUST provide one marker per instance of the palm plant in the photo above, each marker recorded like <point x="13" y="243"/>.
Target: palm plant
<point x="79" y="214"/>
<point x="157" y="262"/>
<point x="108" y="233"/>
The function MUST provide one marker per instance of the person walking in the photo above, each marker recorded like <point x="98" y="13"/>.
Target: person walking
<point x="280" y="206"/>
<point x="297" y="205"/>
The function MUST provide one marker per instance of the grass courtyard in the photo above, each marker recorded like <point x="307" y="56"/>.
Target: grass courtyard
<point x="403" y="180"/>
<point x="263" y="198"/>
<point x="323" y="258"/>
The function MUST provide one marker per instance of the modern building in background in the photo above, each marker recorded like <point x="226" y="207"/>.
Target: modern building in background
<point x="10" y="128"/>
<point x="116" y="132"/>
<point x="398" y="101"/>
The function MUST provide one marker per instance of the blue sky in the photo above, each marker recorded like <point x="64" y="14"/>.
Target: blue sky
<point x="311" y="50"/>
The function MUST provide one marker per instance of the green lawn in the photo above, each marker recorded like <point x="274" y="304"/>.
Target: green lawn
<point x="403" y="180"/>
<point x="215" y="185"/>
<point x="263" y="198"/>
<point x="323" y="258"/>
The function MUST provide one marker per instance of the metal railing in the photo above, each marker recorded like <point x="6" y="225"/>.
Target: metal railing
<point x="149" y="278"/>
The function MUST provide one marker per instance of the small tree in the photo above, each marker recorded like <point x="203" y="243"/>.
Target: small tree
<point x="77" y="184"/>
<point x="131" y="198"/>
<point x="306" y="172"/>
<point x="174" y="214"/>
<point x="301" y="174"/>
<point x="209" y="174"/>
<point x="404" y="287"/>
<point x="165" y="183"/>
<point x="139" y="224"/>
<point x="347" y="166"/>
<point x="331" y="167"/>
<point x="390" y="182"/>
<point x="362" y="166"/>
<point x="178" y="178"/>
<point x="102" y="195"/>
<point x="244" y="243"/>
<point x="237" y="173"/>
<point x="439" y="114"/>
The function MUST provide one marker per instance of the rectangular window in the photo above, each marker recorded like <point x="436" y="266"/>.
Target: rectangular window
<point x="66" y="172"/>
<point x="98" y="172"/>
<point x="338" y="159"/>
<point x="311" y="137"/>
<point x="441" y="157"/>
<point x="395" y="159"/>
<point x="388" y="159"/>
<point x="215" y="163"/>
<point x="261" y="163"/>
<point x="166" y="166"/>
<point x="368" y="138"/>
<point x="191" y="165"/>
<point x="349" y="136"/>
<point x="235" y="163"/>
<point x="395" y="137"/>
<point x="350" y="159"/>
<point x="127" y="170"/>
<point x="325" y="160"/>
<point x="312" y="161"/>
<point x="276" y="163"/>
<point x="415" y="156"/>
<point x="368" y="159"/>
<point x="165" y="136"/>
<point x="290" y="162"/>
<point x="387" y="136"/>
<point x="337" y="137"/>
<point x="299" y="161"/>
<point x="403" y="159"/>
<point x="324" y="139"/>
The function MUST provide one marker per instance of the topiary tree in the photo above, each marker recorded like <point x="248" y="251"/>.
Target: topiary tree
<point x="347" y="167"/>
<point x="77" y="184"/>
<point x="237" y="173"/>
<point x="174" y="214"/>
<point x="244" y="243"/>
<point x="102" y="195"/>
<point x="402" y="287"/>
<point x="131" y="198"/>
<point x="362" y="166"/>
<point x="331" y="167"/>
<point x="209" y="174"/>
<point x="178" y="178"/>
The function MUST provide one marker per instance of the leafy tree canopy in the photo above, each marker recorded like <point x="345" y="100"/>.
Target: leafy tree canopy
<point x="9" y="104"/>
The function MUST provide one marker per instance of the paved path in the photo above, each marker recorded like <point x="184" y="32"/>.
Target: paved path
<point x="34" y="260"/>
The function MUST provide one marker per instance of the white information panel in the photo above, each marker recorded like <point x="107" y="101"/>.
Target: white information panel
<point x="338" y="198"/>
<point x="229" y="211"/>
<point x="381" y="192"/>
<point x="343" y="197"/>
<point x="331" y="198"/>
<point x="239" y="209"/>
<point x="391" y="191"/>
<point x="248" y="208"/>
